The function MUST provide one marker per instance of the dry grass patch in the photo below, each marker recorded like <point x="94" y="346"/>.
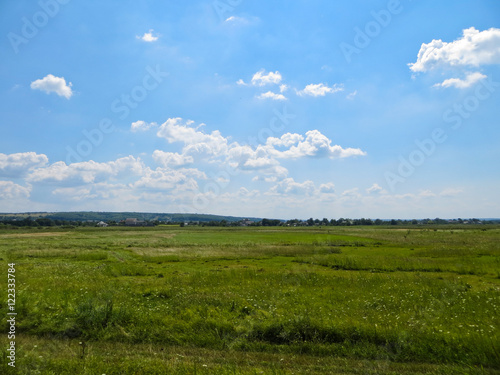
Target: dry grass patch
<point x="36" y="235"/>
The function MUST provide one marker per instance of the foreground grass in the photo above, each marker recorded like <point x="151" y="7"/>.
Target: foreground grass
<point x="61" y="357"/>
<point x="277" y="301"/>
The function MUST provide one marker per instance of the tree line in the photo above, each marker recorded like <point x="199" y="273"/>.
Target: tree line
<point x="47" y="222"/>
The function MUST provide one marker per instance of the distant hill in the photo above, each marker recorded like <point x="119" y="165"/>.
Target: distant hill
<point x="118" y="216"/>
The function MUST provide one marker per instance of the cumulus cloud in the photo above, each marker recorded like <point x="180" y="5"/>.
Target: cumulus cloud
<point x="142" y="126"/>
<point x="195" y="141"/>
<point x="376" y="189"/>
<point x="171" y="159"/>
<point x="272" y="95"/>
<point x="162" y="179"/>
<point x="10" y="190"/>
<point x="87" y="172"/>
<point x="328" y="188"/>
<point x="474" y="48"/>
<point x="320" y="89"/>
<point x="261" y="78"/>
<point x="79" y="193"/>
<point x="51" y="83"/>
<point x="469" y="80"/>
<point x="315" y="144"/>
<point x="17" y="165"/>
<point x="263" y="159"/>
<point x="245" y="158"/>
<point x="245" y="193"/>
<point x="286" y="140"/>
<point x="290" y="186"/>
<point x="148" y="37"/>
<point x="354" y="192"/>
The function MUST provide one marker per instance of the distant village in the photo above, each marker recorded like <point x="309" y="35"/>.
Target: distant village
<point x="138" y="222"/>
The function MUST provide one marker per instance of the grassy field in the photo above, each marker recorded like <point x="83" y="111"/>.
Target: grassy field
<point x="331" y="300"/>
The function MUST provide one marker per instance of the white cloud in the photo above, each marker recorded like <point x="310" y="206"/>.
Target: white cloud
<point x="352" y="95"/>
<point x="171" y="159"/>
<point x="235" y="20"/>
<point x="328" y="188"/>
<point x="315" y="144"/>
<point x="245" y="158"/>
<point x="354" y="193"/>
<point x="10" y="190"/>
<point x="16" y="165"/>
<point x="470" y="80"/>
<point x="54" y="84"/>
<point x="87" y="172"/>
<point x="200" y="146"/>
<point x="148" y="37"/>
<point x="261" y="78"/>
<point x="111" y="195"/>
<point x="426" y="194"/>
<point x="259" y="163"/>
<point x="77" y="193"/>
<point x="320" y="89"/>
<point x="475" y="48"/>
<point x="376" y="189"/>
<point x="142" y="126"/>
<point x="272" y="95"/>
<point x="264" y="159"/>
<point x="451" y="192"/>
<point x="245" y="193"/>
<point x="286" y="140"/>
<point x="290" y="186"/>
<point x="195" y="142"/>
<point x="162" y="179"/>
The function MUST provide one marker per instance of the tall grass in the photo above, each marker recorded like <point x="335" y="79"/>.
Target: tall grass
<point x="312" y="293"/>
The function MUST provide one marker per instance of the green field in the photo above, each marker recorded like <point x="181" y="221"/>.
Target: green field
<point x="171" y="300"/>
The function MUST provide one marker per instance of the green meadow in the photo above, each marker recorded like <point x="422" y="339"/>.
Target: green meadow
<point x="256" y="300"/>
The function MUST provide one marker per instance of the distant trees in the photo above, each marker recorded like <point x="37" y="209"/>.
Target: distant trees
<point x="270" y="223"/>
<point x="28" y="221"/>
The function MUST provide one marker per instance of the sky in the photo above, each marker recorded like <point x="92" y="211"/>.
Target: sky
<point x="283" y="109"/>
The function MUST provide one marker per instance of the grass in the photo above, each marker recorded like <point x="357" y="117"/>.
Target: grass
<point x="256" y="300"/>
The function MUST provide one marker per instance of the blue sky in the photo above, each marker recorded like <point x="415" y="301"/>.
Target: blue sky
<point x="380" y="109"/>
